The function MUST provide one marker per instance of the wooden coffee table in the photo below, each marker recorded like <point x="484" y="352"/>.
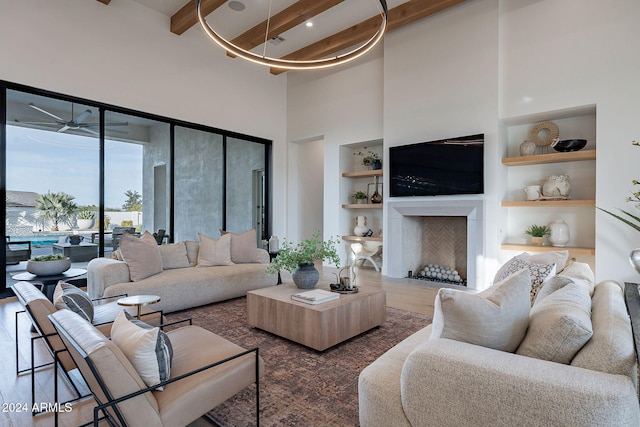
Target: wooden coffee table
<point x="317" y="326"/>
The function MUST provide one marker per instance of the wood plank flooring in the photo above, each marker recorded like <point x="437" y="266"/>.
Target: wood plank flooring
<point x="15" y="391"/>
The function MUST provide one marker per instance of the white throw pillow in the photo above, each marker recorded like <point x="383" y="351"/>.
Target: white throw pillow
<point x="147" y="348"/>
<point x="538" y="273"/>
<point x="141" y="255"/>
<point x="214" y="252"/>
<point x="174" y="255"/>
<point x="495" y="318"/>
<point x="559" y="325"/>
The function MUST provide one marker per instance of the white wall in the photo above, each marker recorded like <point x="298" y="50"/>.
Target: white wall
<point x="566" y="53"/>
<point x="466" y="69"/>
<point x="124" y="54"/>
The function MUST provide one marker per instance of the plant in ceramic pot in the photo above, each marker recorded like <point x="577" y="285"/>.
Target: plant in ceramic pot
<point x="85" y="219"/>
<point x="298" y="259"/>
<point x="360" y="196"/>
<point x="370" y="159"/>
<point x="537" y="233"/>
<point x="48" y="265"/>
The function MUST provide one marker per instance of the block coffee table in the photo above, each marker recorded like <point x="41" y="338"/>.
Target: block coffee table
<point x="317" y="326"/>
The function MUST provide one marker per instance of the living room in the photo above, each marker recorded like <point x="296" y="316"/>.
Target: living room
<point x="482" y="66"/>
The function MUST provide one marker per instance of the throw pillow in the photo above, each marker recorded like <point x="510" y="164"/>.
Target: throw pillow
<point x="141" y="255"/>
<point x="214" y="252"/>
<point x="70" y="297"/>
<point x="559" y="258"/>
<point x="538" y="273"/>
<point x="174" y="255"/>
<point x="495" y="318"/>
<point x="243" y="246"/>
<point x="559" y="324"/>
<point x="193" y="248"/>
<point x="147" y="348"/>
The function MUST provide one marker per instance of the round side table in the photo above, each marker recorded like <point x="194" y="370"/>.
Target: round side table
<point x="138" y="301"/>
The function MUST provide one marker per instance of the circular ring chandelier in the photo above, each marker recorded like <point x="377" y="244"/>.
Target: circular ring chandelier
<point x="295" y="64"/>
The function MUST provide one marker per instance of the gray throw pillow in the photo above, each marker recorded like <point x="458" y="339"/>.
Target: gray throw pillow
<point x="70" y="297"/>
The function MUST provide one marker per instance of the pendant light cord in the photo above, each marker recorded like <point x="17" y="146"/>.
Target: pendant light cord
<point x="266" y="33"/>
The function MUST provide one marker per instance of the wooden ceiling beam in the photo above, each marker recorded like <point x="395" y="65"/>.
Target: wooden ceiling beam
<point x="285" y="20"/>
<point x="187" y="17"/>
<point x="105" y="1"/>
<point x="399" y="16"/>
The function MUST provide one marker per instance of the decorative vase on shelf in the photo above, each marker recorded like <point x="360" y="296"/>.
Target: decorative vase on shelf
<point x="558" y="233"/>
<point x="376" y="164"/>
<point x="361" y="226"/>
<point x="527" y="148"/>
<point x="305" y="276"/>
<point x="376" y="197"/>
<point x="274" y="244"/>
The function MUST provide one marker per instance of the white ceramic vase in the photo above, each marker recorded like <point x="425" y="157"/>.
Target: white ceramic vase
<point x="558" y="233"/>
<point x="361" y="226"/>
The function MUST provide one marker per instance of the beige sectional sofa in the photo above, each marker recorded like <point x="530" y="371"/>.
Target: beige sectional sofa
<point x="434" y="379"/>
<point x="186" y="277"/>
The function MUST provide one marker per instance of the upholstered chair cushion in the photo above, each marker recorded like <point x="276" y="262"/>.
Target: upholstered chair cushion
<point x="214" y="252"/>
<point x="72" y="298"/>
<point x="193" y="248"/>
<point x="141" y="255"/>
<point x="147" y="348"/>
<point x="496" y="318"/>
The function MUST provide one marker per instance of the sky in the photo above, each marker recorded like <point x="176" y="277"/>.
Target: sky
<point x="42" y="161"/>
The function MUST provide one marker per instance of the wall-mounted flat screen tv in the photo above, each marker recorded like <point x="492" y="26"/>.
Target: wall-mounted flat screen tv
<point x="445" y="167"/>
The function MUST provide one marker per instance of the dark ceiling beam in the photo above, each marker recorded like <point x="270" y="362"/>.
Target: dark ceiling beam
<point x="399" y="16"/>
<point x="187" y="17"/>
<point x="105" y="1"/>
<point x="285" y="20"/>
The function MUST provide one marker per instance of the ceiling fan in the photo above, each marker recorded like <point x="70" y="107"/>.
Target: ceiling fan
<point x="76" y="123"/>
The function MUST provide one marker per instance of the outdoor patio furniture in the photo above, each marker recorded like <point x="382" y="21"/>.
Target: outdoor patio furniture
<point x="117" y="234"/>
<point x="18" y="251"/>
<point x="77" y="253"/>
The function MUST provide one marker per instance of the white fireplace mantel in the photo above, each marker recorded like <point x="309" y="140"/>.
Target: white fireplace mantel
<point x="400" y="238"/>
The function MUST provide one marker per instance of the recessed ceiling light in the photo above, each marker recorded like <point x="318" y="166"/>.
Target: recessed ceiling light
<point x="309" y="24"/>
<point x="236" y="5"/>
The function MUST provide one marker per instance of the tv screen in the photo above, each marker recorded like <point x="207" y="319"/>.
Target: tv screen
<point x="445" y="167"/>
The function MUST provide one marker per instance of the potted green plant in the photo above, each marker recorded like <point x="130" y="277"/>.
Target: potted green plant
<point x="85" y="219"/>
<point x="537" y="233"/>
<point x="370" y="159"/>
<point x="48" y="265"/>
<point x="298" y="259"/>
<point x="360" y="196"/>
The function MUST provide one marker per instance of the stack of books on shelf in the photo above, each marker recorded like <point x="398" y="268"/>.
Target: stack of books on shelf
<point x="315" y="296"/>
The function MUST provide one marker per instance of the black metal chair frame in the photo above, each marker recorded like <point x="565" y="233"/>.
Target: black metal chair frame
<point x="44" y="337"/>
<point x="113" y="403"/>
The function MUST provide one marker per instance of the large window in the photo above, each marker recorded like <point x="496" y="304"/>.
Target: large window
<point x="77" y="167"/>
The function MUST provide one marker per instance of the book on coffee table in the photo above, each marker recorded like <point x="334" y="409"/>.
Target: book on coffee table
<point x="315" y="296"/>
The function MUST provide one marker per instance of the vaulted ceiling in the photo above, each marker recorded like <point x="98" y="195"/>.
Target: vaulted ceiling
<point x="343" y="24"/>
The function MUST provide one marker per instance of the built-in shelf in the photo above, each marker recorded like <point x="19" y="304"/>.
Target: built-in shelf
<point x="549" y="203"/>
<point x="539" y="159"/>
<point x="530" y="248"/>
<point x="362" y="239"/>
<point x="363" y="174"/>
<point x="363" y="206"/>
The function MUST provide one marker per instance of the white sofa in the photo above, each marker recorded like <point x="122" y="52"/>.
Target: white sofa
<point x="427" y="381"/>
<point x="184" y="286"/>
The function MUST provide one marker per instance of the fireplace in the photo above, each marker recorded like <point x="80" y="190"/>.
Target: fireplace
<point x="439" y="232"/>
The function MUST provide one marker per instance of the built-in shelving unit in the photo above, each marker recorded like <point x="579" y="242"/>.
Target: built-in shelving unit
<point x="523" y="171"/>
<point x="363" y="206"/>
<point x="363" y="174"/>
<point x="362" y="239"/>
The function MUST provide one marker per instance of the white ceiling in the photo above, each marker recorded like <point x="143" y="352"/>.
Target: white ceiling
<point x="229" y="23"/>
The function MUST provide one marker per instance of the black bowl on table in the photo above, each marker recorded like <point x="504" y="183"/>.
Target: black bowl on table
<point x="570" y="145"/>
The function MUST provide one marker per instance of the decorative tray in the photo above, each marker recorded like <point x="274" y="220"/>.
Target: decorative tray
<point x="346" y="291"/>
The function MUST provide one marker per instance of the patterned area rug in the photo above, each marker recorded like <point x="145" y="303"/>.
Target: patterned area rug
<point x="301" y="386"/>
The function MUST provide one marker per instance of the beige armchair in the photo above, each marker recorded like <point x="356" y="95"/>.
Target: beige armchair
<point x="206" y="370"/>
<point x="38" y="307"/>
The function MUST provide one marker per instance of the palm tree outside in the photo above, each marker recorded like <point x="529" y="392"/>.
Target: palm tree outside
<point x="56" y="207"/>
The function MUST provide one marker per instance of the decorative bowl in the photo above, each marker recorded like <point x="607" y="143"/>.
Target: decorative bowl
<point x="48" y="268"/>
<point x="570" y="145"/>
